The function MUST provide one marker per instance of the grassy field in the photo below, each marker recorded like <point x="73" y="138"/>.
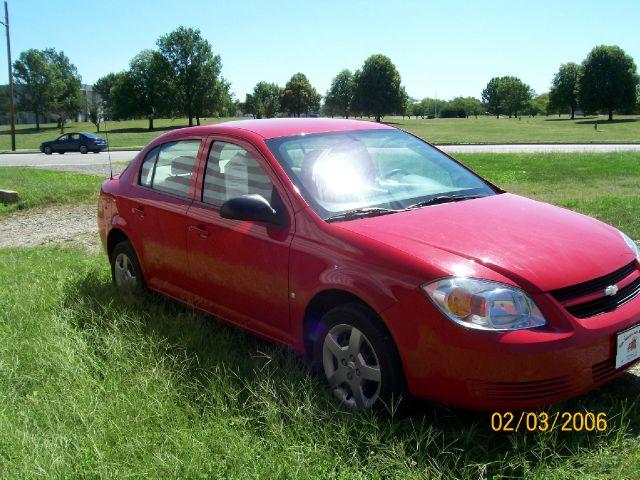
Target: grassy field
<point x="90" y="387"/>
<point x="40" y="188"/>
<point x="134" y="133"/>
<point x="129" y="133"/>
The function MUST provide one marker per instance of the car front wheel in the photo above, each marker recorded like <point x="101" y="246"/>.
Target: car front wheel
<point x="83" y="149"/>
<point x="48" y="150"/>
<point x="359" y="360"/>
<point x="126" y="272"/>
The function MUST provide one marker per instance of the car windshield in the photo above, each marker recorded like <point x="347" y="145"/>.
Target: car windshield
<point x="372" y="170"/>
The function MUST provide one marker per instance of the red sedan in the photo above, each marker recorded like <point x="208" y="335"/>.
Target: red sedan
<point x="396" y="270"/>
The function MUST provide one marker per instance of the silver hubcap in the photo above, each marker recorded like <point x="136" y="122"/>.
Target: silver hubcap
<point x="351" y="366"/>
<point x="124" y="273"/>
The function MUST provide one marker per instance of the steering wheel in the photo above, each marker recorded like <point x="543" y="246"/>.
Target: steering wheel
<point x="396" y="171"/>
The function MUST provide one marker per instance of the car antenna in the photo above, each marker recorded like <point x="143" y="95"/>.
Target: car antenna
<point x="106" y="134"/>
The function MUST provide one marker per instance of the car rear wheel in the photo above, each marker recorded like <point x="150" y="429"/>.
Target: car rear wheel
<point x="48" y="150"/>
<point x="359" y="359"/>
<point x="126" y="272"/>
<point x="83" y="149"/>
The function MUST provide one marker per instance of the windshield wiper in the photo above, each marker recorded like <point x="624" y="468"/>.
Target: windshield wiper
<point x="442" y="199"/>
<point x="360" y="213"/>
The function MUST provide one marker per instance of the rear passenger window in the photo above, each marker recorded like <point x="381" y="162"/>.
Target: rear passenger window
<point x="232" y="171"/>
<point x="169" y="168"/>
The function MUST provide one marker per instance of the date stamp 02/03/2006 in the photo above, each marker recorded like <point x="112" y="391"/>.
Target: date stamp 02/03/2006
<point x="548" y="422"/>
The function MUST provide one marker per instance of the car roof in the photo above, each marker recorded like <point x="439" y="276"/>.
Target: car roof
<point x="285" y="127"/>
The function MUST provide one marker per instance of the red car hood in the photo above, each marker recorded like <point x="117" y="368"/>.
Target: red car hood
<point x="537" y="245"/>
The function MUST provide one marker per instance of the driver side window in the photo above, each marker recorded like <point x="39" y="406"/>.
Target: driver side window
<point x="233" y="171"/>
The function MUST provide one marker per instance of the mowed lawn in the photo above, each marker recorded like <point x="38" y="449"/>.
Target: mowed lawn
<point x="42" y="188"/>
<point x="484" y="129"/>
<point x="90" y="387"/>
<point x="128" y="133"/>
<point x="540" y="129"/>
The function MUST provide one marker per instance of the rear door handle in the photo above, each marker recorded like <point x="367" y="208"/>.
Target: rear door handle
<point x="138" y="211"/>
<point x="202" y="232"/>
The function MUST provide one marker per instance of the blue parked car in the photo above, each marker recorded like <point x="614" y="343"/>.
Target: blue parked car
<point x="82" y="142"/>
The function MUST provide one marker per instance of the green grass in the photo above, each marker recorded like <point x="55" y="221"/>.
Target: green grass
<point x="603" y="185"/>
<point x="129" y="133"/>
<point x="41" y="188"/>
<point x="93" y="388"/>
<point x="543" y="129"/>
<point x="90" y="387"/>
<point x="485" y="129"/>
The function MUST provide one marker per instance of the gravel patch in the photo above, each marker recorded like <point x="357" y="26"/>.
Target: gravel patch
<point x="65" y="224"/>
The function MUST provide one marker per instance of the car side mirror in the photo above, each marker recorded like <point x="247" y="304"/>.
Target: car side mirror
<point x="252" y="208"/>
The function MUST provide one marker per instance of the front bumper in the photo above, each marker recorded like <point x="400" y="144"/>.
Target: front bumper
<point x="524" y="369"/>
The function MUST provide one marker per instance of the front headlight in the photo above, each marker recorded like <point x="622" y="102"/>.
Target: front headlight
<point x="632" y="245"/>
<point x="483" y="304"/>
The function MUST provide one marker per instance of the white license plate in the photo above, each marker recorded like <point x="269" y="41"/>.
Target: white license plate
<point x="628" y="348"/>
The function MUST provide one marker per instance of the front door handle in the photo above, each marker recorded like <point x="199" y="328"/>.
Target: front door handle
<point x="138" y="211"/>
<point x="201" y="232"/>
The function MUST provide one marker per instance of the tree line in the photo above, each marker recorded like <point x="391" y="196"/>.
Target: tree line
<point x="183" y="77"/>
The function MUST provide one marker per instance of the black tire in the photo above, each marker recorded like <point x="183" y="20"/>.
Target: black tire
<point x="61" y="152"/>
<point x="48" y="150"/>
<point x="130" y="290"/>
<point x="83" y="149"/>
<point x="392" y="396"/>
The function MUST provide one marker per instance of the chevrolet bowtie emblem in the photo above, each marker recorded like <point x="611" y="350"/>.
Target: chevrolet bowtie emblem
<point x="611" y="290"/>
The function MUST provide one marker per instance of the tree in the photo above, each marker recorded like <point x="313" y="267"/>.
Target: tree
<point x="67" y="98"/>
<point x="564" y="88"/>
<point x="378" y="89"/>
<point x="299" y="96"/>
<point x="94" y="106"/>
<point x="462" y="107"/>
<point x="35" y="78"/>
<point x="124" y="97"/>
<point x="506" y="94"/>
<point x="608" y="80"/>
<point x="491" y="96"/>
<point x="195" y="68"/>
<point x="103" y="88"/>
<point x="539" y="105"/>
<point x="340" y="95"/>
<point x="264" y="102"/>
<point x="431" y="107"/>
<point x="150" y="75"/>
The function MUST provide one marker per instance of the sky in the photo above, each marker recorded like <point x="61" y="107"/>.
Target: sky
<point x="441" y="48"/>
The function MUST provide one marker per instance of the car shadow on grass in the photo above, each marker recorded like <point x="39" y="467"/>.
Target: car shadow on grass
<point x="456" y="443"/>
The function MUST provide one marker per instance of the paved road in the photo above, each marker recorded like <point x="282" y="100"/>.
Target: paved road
<point x="71" y="162"/>
<point x="99" y="163"/>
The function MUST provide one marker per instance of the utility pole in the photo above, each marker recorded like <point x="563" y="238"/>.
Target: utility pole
<point x="12" y="111"/>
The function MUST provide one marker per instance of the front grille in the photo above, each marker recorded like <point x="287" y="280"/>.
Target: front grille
<point x="603" y="303"/>
<point x="592" y="286"/>
<point x="606" y="304"/>
<point x="510" y="391"/>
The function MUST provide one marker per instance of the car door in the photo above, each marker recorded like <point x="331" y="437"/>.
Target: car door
<point x="73" y="143"/>
<point x="158" y="212"/>
<point x="240" y="269"/>
<point x="60" y="144"/>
